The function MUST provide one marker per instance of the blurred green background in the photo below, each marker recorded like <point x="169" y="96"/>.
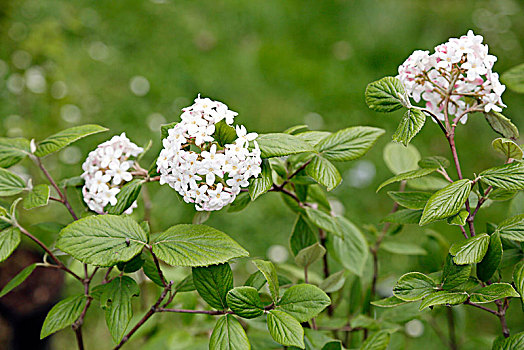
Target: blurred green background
<point x="132" y="65"/>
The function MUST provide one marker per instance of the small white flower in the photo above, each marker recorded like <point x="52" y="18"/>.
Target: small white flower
<point x="119" y="172"/>
<point x="200" y="176"/>
<point x="425" y="76"/>
<point x="106" y="171"/>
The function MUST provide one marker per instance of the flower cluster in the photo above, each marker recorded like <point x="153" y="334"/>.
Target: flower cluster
<point x="461" y="66"/>
<point x="197" y="167"/>
<point x="106" y="170"/>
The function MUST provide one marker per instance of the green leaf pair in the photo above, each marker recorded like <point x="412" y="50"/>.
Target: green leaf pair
<point x="106" y="240"/>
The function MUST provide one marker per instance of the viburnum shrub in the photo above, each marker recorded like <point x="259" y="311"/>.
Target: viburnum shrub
<point x="211" y="161"/>
<point x="487" y="265"/>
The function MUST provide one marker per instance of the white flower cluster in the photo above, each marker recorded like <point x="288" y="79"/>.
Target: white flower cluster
<point x="106" y="170"/>
<point x="463" y="62"/>
<point x="212" y="176"/>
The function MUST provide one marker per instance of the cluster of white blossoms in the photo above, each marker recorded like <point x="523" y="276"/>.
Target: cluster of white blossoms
<point x="106" y="170"/>
<point x="197" y="167"/>
<point x="463" y="63"/>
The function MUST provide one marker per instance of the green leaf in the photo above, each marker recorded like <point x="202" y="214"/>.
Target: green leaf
<point x="402" y="248"/>
<point x="102" y="240"/>
<point x="278" y="145"/>
<point x="323" y="220"/>
<point x="256" y="280"/>
<point x="213" y="283"/>
<point x="515" y="342"/>
<point x="245" y="302"/>
<point x="499" y="194"/>
<point x="454" y="275"/>
<point x="310" y="254"/>
<point x="313" y="137"/>
<point x="66" y="137"/>
<point x="350" y="248"/>
<point x="459" y="219"/>
<point x="12" y="151"/>
<point x="378" y="341"/>
<point x="349" y="144"/>
<point x="389" y="302"/>
<point x="433" y="162"/>
<point x="512" y="228"/>
<point x="428" y="183"/>
<point x="17" y="280"/>
<point x="132" y="265"/>
<point x="200" y="217"/>
<point x="318" y="340"/>
<point x="333" y="282"/>
<point x="315" y="193"/>
<point x="324" y="172"/>
<point x="508" y="148"/>
<point x="414" y="174"/>
<point x="297" y="129"/>
<point x="228" y="334"/>
<point x="491" y="261"/>
<point x="385" y="95"/>
<point x="10" y="184"/>
<point x="63" y="314"/>
<point x="270" y="273"/>
<point x="411" y="200"/>
<point x="493" y="292"/>
<point x="514" y="80"/>
<point x="302" y="236"/>
<point x="285" y="329"/>
<point x="240" y="203"/>
<point x="400" y="159"/>
<point x="508" y="176"/>
<point x="9" y="240"/>
<point x="224" y="134"/>
<point x="446" y="202"/>
<point x="414" y="286"/>
<point x="263" y="182"/>
<point x="126" y="197"/>
<point x="76" y="181"/>
<point x="502" y="125"/>
<point x="196" y="245"/>
<point x="518" y="278"/>
<point x="304" y="301"/>
<point x="443" y="298"/>
<point x="150" y="269"/>
<point x="164" y="129"/>
<point x="115" y="298"/>
<point x="471" y="250"/>
<point x="185" y="285"/>
<point x="410" y="125"/>
<point x="404" y="217"/>
<point x="38" y="197"/>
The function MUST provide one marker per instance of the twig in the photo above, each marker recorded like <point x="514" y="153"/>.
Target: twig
<point x="106" y="276"/>
<point x="157" y="263"/>
<point x="435" y="118"/>
<point x="374" y="249"/>
<point x="59" y="265"/>
<point x="147" y="316"/>
<point x="502" y="306"/>
<point x="302" y="167"/>
<point x="204" y="312"/>
<point x="63" y="197"/>
<point x="444" y="173"/>
<point x="281" y="188"/>
<point x="451" y="329"/>
<point x="439" y="332"/>
<point x="482" y="307"/>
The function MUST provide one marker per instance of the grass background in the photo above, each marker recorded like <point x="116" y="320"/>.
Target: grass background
<point x="278" y="64"/>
